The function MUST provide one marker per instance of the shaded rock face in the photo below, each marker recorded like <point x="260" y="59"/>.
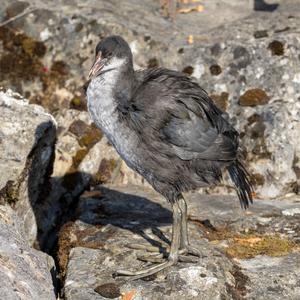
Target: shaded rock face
<point x="26" y="149"/>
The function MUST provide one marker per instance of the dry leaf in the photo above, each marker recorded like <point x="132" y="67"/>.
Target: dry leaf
<point x="248" y="241"/>
<point x="190" y="39"/>
<point x="129" y="295"/>
<point x="197" y="8"/>
<point x="189" y="1"/>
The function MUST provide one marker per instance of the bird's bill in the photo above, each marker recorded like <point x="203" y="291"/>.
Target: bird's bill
<point x="97" y="66"/>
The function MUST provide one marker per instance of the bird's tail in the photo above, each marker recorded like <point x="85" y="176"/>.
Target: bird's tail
<point x="240" y="178"/>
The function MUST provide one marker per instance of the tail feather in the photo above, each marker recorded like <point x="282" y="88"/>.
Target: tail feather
<point x="240" y="178"/>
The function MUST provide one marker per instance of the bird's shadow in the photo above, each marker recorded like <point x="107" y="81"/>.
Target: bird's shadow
<point x="127" y="211"/>
<point x="121" y="209"/>
<point x="261" y="5"/>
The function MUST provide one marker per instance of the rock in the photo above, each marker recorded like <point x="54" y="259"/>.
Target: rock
<point x="112" y="218"/>
<point x="27" y="137"/>
<point x="100" y="246"/>
<point x="242" y="51"/>
<point x="273" y="277"/>
<point x="261" y="80"/>
<point x="25" y="273"/>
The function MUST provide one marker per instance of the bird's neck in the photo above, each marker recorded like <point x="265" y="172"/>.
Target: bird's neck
<point x="107" y="93"/>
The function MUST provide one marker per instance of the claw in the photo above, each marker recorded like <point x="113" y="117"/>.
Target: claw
<point x="191" y="250"/>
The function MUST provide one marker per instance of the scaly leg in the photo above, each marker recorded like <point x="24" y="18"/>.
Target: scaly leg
<point x="185" y="247"/>
<point x="173" y="255"/>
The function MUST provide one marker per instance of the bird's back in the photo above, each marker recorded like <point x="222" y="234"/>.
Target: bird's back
<point x="184" y="139"/>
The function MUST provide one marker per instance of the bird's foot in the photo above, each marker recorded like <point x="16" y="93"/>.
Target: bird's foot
<point x="159" y="254"/>
<point x="147" y="271"/>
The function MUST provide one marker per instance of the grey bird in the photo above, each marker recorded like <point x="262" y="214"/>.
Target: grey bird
<point x="166" y="128"/>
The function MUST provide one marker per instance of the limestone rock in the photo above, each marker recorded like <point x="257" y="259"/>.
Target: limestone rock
<point x="27" y="137"/>
<point x="25" y="273"/>
<point x="280" y="277"/>
<point x="111" y="220"/>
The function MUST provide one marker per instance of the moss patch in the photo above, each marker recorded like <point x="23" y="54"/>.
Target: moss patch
<point x="10" y="193"/>
<point x="21" y="63"/>
<point x="105" y="171"/>
<point x="237" y="291"/>
<point x="245" y="247"/>
<point x="221" y="100"/>
<point x="108" y="290"/>
<point x="254" y="97"/>
<point x="92" y="136"/>
<point x="73" y="176"/>
<point x="71" y="237"/>
<point x="248" y="245"/>
<point x="276" y="48"/>
<point x="188" y="70"/>
<point x="215" y="70"/>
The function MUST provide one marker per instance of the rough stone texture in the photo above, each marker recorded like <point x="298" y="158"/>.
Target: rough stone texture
<point x="280" y="277"/>
<point x="27" y="136"/>
<point x="270" y="131"/>
<point x="25" y="273"/>
<point x="128" y="218"/>
<point x="45" y="55"/>
<point x="116" y="216"/>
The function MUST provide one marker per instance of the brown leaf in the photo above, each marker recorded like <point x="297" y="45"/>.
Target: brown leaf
<point x="198" y="8"/>
<point x="190" y="39"/>
<point x="129" y="295"/>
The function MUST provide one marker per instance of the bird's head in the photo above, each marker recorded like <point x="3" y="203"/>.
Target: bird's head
<point x="111" y="53"/>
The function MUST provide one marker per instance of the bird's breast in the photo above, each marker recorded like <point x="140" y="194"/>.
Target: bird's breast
<point x="106" y="116"/>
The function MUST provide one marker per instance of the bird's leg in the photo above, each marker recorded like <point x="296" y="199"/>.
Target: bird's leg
<point x="185" y="247"/>
<point x="173" y="255"/>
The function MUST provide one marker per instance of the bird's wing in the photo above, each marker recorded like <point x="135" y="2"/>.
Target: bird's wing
<point x="181" y="118"/>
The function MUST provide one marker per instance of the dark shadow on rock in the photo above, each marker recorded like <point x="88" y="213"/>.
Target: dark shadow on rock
<point x="54" y="215"/>
<point x="261" y="5"/>
<point x="126" y="210"/>
<point x="113" y="207"/>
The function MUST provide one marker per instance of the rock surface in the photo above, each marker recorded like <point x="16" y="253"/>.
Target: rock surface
<point x="247" y="61"/>
<point x="115" y="217"/>
<point x="25" y="273"/>
<point x="27" y="137"/>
